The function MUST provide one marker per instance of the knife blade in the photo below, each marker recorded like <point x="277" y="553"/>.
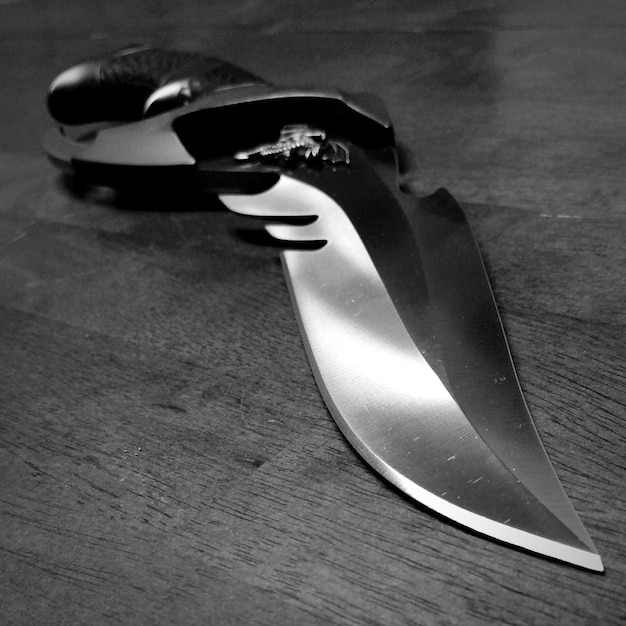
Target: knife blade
<point x="393" y="302"/>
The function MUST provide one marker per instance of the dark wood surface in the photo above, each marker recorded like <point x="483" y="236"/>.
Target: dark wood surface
<point x="166" y="457"/>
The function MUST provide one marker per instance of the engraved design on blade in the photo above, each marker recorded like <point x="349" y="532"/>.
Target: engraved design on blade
<point x="381" y="391"/>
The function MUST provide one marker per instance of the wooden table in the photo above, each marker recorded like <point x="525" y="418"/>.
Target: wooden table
<point x="166" y="456"/>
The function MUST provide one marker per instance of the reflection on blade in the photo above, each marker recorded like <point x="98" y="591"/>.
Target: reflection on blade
<point x="384" y="394"/>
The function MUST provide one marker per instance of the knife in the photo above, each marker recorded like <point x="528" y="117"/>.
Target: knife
<point x="391" y="296"/>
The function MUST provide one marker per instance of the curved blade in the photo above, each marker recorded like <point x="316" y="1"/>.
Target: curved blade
<point x="394" y="373"/>
<point x="399" y="323"/>
<point x="395" y="308"/>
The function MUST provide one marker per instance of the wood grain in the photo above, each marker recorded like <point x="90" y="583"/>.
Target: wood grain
<point x="165" y="455"/>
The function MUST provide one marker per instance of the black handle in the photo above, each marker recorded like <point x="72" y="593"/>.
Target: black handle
<point x="236" y="127"/>
<point x="139" y="82"/>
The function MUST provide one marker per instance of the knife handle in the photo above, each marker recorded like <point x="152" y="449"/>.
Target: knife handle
<point x="138" y="82"/>
<point x="235" y="130"/>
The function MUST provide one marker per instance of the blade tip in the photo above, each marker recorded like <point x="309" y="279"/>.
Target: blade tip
<point x="583" y="559"/>
<point x="595" y="563"/>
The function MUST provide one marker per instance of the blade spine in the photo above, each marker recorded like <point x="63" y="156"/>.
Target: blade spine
<point x="586" y="538"/>
<point x="572" y="520"/>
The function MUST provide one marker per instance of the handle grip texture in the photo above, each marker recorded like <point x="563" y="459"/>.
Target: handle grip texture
<point x="138" y="82"/>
